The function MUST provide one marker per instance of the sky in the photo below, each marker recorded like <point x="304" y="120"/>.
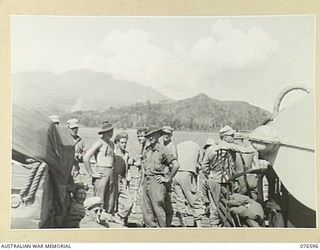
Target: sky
<point x="244" y="58"/>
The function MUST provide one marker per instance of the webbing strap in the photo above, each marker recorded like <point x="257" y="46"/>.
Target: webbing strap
<point x="245" y="177"/>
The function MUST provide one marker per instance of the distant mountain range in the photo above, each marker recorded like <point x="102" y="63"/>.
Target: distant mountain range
<point x="197" y="113"/>
<point x="77" y="90"/>
<point x="94" y="97"/>
<point x="204" y="112"/>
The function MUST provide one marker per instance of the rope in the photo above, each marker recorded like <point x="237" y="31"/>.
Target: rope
<point x="248" y="192"/>
<point x="35" y="184"/>
<point x="29" y="180"/>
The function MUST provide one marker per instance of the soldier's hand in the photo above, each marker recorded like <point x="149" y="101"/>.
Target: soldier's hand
<point x="79" y="158"/>
<point x="161" y="179"/>
<point x="128" y="178"/>
<point x="137" y="163"/>
<point x="97" y="175"/>
<point x="30" y="160"/>
<point x="104" y="216"/>
<point x="264" y="163"/>
<point x="130" y="161"/>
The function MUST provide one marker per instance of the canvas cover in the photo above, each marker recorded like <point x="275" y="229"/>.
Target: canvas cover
<point x="35" y="136"/>
<point x="295" y="160"/>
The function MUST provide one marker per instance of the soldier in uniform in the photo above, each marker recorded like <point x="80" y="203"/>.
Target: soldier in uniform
<point x="212" y="169"/>
<point x="95" y="215"/>
<point x="141" y="132"/>
<point x="156" y="200"/>
<point x="93" y="210"/>
<point x="186" y="183"/>
<point x="122" y="157"/>
<point x="210" y="179"/>
<point x="73" y="126"/>
<point x="121" y="168"/>
<point x="166" y="140"/>
<point x="104" y="178"/>
<point x="76" y="210"/>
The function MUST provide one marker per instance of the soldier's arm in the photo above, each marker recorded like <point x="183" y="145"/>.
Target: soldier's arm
<point x="82" y="151"/>
<point x="83" y="147"/>
<point x="131" y="160"/>
<point x="141" y="179"/>
<point x="199" y="161"/>
<point x="174" y="151"/>
<point x="88" y="154"/>
<point x="174" y="169"/>
<point x="237" y="148"/>
<point x="200" y="156"/>
<point x="173" y="163"/>
<point x="141" y="157"/>
<point x="170" y="160"/>
<point x="255" y="161"/>
<point x="207" y="159"/>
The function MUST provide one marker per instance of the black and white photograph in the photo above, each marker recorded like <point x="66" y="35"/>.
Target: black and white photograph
<point x="123" y="122"/>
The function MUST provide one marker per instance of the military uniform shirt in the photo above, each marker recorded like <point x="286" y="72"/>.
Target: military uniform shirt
<point x="86" y="222"/>
<point x="79" y="145"/>
<point x="189" y="154"/>
<point x="79" y="148"/>
<point x="210" y="164"/>
<point x="156" y="159"/>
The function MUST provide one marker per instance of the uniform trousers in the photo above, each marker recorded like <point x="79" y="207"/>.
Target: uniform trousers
<point x="107" y="188"/>
<point x="125" y="200"/>
<point x="185" y="188"/>
<point x="75" y="170"/>
<point x="156" y="208"/>
<point x="211" y="192"/>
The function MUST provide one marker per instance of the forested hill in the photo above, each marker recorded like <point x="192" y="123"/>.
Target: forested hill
<point x="197" y="113"/>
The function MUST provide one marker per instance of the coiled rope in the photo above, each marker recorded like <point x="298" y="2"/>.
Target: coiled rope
<point x="24" y="192"/>
<point x="27" y="194"/>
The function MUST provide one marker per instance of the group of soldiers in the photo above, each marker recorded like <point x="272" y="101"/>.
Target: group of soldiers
<point x="187" y="172"/>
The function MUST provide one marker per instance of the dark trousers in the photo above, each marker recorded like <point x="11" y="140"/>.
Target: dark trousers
<point x="156" y="208"/>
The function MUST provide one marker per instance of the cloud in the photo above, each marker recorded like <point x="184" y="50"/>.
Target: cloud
<point x="128" y="56"/>
<point x="227" y="47"/>
<point x="177" y="71"/>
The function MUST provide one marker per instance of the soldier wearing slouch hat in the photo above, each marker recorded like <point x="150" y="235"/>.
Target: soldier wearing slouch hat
<point x="157" y="208"/>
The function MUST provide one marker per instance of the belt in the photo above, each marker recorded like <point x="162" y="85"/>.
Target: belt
<point x="157" y="173"/>
<point x="104" y="166"/>
<point x="150" y="175"/>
